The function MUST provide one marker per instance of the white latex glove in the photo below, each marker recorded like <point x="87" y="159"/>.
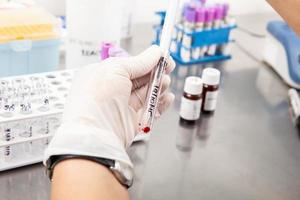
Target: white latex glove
<point x="102" y="111"/>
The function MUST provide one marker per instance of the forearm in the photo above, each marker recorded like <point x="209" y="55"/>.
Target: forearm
<point x="289" y="10"/>
<point x="79" y="179"/>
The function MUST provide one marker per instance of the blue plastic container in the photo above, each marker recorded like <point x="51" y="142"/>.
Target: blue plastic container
<point x="220" y="36"/>
<point x="209" y="37"/>
<point x="26" y="56"/>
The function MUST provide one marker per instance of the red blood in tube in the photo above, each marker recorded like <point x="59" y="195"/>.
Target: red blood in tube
<point x="146" y="129"/>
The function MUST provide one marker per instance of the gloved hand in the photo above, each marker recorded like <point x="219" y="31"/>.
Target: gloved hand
<point x="102" y="111"/>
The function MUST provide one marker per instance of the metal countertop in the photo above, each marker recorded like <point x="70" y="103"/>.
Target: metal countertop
<point x="248" y="149"/>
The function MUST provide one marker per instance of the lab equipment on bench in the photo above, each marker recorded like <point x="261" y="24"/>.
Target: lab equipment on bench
<point x="191" y="99"/>
<point x="29" y="40"/>
<point x="155" y="83"/>
<point x="211" y="81"/>
<point x="112" y="50"/>
<point x="89" y="25"/>
<point x="202" y="35"/>
<point x="30" y="112"/>
<point x="282" y="52"/>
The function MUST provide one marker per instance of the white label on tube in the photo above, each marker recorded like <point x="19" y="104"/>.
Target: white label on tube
<point x="190" y="109"/>
<point x="187" y="41"/>
<point x="196" y="53"/>
<point x="211" y="101"/>
<point x="185" y="54"/>
<point x="173" y="47"/>
<point x="212" y="50"/>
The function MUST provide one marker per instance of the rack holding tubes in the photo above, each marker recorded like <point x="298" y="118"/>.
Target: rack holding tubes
<point x="200" y="40"/>
<point x="31" y="109"/>
<point x="219" y="37"/>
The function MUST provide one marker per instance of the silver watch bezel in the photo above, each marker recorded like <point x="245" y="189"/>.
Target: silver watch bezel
<point x="123" y="172"/>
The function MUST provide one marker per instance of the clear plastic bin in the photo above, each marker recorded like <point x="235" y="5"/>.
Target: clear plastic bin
<point x="29" y="40"/>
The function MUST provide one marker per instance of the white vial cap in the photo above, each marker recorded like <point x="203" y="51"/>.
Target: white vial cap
<point x="211" y="76"/>
<point x="193" y="85"/>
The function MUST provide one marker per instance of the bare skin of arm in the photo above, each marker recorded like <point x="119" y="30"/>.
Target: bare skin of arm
<point x="289" y="10"/>
<point x="79" y="179"/>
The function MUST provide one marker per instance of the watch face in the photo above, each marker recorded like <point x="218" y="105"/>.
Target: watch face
<point x="123" y="172"/>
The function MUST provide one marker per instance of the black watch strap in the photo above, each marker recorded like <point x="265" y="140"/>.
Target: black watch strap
<point x="54" y="160"/>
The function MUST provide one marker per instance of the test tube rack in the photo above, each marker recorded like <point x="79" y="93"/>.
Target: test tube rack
<point x="205" y="38"/>
<point x="31" y="108"/>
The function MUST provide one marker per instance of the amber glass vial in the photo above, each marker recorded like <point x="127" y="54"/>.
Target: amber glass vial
<point x="211" y="81"/>
<point x="191" y="99"/>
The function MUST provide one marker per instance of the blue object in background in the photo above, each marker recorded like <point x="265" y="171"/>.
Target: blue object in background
<point x="26" y="56"/>
<point x="291" y="43"/>
<point x="162" y="15"/>
<point x="205" y="38"/>
<point x="220" y="36"/>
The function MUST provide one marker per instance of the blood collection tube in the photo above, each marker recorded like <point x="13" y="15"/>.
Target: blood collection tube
<point x="105" y="50"/>
<point x="200" y="18"/>
<point x="189" y="26"/>
<point x="181" y="23"/>
<point x="211" y="81"/>
<point x="155" y="83"/>
<point x="209" y="18"/>
<point x="216" y="25"/>
<point x="225" y="7"/>
<point x="227" y="21"/>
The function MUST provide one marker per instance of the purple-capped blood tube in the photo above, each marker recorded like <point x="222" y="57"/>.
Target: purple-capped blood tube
<point x="227" y="21"/>
<point x="180" y="26"/>
<point x="216" y="25"/>
<point x="189" y="19"/>
<point x="208" y="24"/>
<point x="189" y="27"/>
<point x="225" y="7"/>
<point x="105" y="50"/>
<point x="200" y="19"/>
<point x="209" y="18"/>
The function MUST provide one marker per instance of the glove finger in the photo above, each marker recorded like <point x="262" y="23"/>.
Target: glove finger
<point x="138" y="96"/>
<point x="140" y="82"/>
<point x="171" y="65"/>
<point x="164" y="103"/>
<point x="145" y="62"/>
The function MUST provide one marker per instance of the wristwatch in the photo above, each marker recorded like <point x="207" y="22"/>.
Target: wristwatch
<point x="122" y="171"/>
